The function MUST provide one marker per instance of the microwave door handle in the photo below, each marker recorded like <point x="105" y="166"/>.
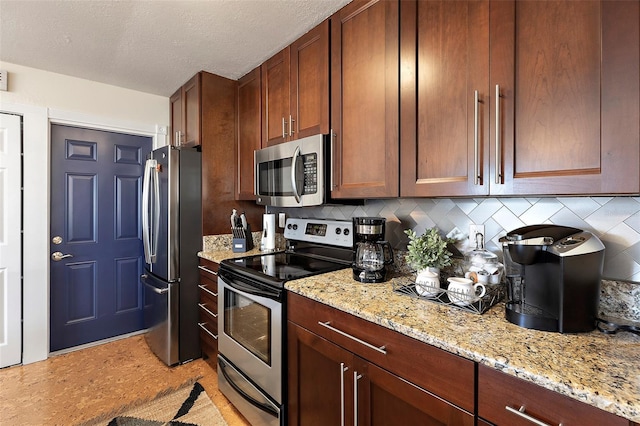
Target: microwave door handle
<point x="294" y="169"/>
<point x="146" y="241"/>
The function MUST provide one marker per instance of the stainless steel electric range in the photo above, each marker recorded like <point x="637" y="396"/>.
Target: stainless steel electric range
<point x="252" y="309"/>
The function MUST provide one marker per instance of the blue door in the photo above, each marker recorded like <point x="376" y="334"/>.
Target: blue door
<point x="96" y="243"/>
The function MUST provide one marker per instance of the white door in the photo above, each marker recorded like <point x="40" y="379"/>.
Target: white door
<point x="10" y="241"/>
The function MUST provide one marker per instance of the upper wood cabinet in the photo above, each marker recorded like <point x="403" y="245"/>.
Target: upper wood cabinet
<point x="444" y="97"/>
<point x="249" y="132"/>
<point x="365" y="99"/>
<point x="565" y="95"/>
<point x="557" y="105"/>
<point x="185" y="114"/>
<point x="295" y="89"/>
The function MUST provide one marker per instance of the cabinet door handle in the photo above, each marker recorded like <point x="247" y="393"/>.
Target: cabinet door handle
<point x="202" y="326"/>
<point x="356" y="377"/>
<point x="521" y="413"/>
<point x="476" y="153"/>
<point x="284" y="130"/>
<point x="203" y="306"/>
<point x="327" y="324"/>
<point x="498" y="141"/>
<point x="291" y="121"/>
<point x="204" y="288"/>
<point x="204" y="268"/>
<point x="342" y="370"/>
<point x="331" y="162"/>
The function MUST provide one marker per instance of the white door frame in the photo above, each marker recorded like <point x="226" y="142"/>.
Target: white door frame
<point x="36" y="210"/>
<point x="11" y="240"/>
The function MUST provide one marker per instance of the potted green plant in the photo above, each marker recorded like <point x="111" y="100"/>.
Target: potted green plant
<point x="427" y="254"/>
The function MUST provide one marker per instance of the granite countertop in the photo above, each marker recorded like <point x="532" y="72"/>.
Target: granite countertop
<point x="594" y="368"/>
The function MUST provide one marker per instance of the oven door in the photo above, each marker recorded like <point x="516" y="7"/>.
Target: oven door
<point x="291" y="174"/>
<point x="250" y="328"/>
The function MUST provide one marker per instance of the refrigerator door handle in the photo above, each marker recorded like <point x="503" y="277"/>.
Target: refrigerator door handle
<point x="146" y="240"/>
<point x="156" y="211"/>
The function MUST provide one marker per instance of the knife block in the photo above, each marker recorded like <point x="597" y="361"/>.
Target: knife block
<point x="242" y="239"/>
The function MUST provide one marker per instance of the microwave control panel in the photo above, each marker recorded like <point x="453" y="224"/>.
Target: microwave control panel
<point x="310" y="173"/>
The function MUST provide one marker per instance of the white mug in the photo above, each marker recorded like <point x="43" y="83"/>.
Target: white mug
<point x="463" y="292"/>
<point x="427" y="283"/>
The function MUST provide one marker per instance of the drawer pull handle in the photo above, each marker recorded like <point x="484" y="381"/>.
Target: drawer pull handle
<point x="201" y="325"/>
<point x="203" y="306"/>
<point x="520" y="413"/>
<point x="381" y="349"/>
<point x="204" y="287"/>
<point x="342" y="370"/>
<point x="208" y="270"/>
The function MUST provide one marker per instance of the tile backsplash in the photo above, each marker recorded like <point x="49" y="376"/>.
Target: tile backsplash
<point x="615" y="220"/>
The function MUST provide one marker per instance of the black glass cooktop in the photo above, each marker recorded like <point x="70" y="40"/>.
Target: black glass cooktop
<point x="281" y="266"/>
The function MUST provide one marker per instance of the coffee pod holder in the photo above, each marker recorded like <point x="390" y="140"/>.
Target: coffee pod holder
<point x="242" y="239"/>
<point x="407" y="286"/>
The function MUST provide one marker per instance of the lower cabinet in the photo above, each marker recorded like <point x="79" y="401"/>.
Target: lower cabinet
<point x="507" y="400"/>
<point x="208" y="309"/>
<point x="340" y="381"/>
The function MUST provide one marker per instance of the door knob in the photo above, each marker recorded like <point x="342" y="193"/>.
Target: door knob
<point x="58" y="256"/>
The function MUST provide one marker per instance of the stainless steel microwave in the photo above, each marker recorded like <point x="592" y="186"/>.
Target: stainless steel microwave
<point x="293" y="174"/>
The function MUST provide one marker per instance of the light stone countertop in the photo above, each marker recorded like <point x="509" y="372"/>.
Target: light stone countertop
<point x="595" y="368"/>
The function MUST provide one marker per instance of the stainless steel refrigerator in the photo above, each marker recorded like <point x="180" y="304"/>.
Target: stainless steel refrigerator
<point x="172" y="237"/>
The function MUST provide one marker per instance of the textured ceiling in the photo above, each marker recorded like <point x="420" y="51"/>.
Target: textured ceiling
<point x="152" y="46"/>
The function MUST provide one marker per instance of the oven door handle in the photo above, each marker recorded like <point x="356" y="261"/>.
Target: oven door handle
<point x="255" y="290"/>
<point x="261" y="405"/>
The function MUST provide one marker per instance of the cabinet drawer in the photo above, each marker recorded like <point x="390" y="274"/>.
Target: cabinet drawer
<point x="447" y="375"/>
<point x="497" y="391"/>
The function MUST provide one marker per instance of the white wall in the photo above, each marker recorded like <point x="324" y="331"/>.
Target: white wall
<point x="43" y="97"/>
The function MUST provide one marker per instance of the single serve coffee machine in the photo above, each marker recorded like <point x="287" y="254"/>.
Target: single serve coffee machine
<point x="371" y="253"/>
<point x="553" y="278"/>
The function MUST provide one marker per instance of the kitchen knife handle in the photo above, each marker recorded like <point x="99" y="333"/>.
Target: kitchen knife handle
<point x="498" y="141"/>
<point x="476" y="153"/>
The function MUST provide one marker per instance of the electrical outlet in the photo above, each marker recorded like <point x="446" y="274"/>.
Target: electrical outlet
<point x="282" y="220"/>
<point x="3" y="80"/>
<point x="473" y="231"/>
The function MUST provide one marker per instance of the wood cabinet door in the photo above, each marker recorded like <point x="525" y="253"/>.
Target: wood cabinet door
<point x="177" y="108"/>
<point x="309" y="86"/>
<point x="365" y="99"/>
<point x="249" y="133"/>
<point x="318" y="380"/>
<point x="275" y="99"/>
<point x="507" y="400"/>
<point x="444" y="54"/>
<point x="191" y="115"/>
<point x="386" y="399"/>
<point x="566" y="75"/>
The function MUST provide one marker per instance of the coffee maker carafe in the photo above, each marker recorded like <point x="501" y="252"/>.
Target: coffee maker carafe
<point x="371" y="253"/>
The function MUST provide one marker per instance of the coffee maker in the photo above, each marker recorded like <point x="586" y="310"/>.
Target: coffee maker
<point x="553" y="278"/>
<point x="371" y="253"/>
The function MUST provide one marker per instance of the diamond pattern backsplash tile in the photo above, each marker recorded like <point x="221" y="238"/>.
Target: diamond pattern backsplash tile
<point x="615" y="220"/>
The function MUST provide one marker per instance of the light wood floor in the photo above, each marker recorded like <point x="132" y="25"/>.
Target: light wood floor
<point x="73" y="388"/>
